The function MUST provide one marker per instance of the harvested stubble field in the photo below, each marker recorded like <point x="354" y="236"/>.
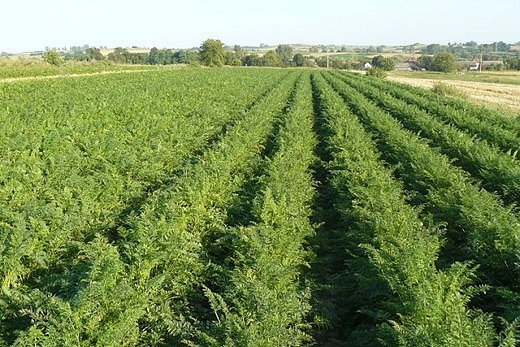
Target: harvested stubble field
<point x="502" y="95"/>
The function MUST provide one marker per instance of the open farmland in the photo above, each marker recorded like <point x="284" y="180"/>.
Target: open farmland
<point x="498" y="89"/>
<point x="255" y="207"/>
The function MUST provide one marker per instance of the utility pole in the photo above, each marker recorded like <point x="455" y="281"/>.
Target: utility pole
<point x="327" y="58"/>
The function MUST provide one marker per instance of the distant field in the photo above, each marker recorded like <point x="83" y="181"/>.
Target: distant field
<point x="34" y="68"/>
<point x="500" y="89"/>
<point x="504" y="77"/>
<point x="105" y="52"/>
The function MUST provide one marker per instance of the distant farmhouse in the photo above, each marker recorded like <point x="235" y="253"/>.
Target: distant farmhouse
<point x="492" y="64"/>
<point x="409" y="65"/>
<point x="470" y="65"/>
<point x="474" y="65"/>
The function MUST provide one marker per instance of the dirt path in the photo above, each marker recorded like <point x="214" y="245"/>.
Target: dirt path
<point x="502" y="95"/>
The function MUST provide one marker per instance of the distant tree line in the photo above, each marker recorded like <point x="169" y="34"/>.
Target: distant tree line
<point x="212" y="52"/>
<point x="496" y="51"/>
<point x="468" y="50"/>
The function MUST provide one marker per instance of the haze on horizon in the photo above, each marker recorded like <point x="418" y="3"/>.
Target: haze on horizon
<point x="32" y="25"/>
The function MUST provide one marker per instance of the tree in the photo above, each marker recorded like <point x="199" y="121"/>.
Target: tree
<point x="232" y="59"/>
<point x="119" y="55"/>
<point x="387" y="64"/>
<point x="161" y="56"/>
<point x="93" y="53"/>
<point x="239" y="51"/>
<point x="444" y="62"/>
<point x="284" y="52"/>
<point x="212" y="53"/>
<point x="298" y="59"/>
<point x="253" y="60"/>
<point x="186" y="57"/>
<point x="53" y="58"/>
<point x="432" y="49"/>
<point x="338" y="64"/>
<point x="513" y="64"/>
<point x="425" y="62"/>
<point x="272" y="59"/>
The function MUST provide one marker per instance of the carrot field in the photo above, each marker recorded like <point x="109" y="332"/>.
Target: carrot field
<point x="255" y="207"/>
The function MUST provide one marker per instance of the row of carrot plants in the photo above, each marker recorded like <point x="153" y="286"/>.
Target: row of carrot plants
<point x="469" y="119"/>
<point x="71" y="166"/>
<point x="396" y="290"/>
<point x="183" y="208"/>
<point x="441" y="104"/>
<point x="479" y="228"/>
<point x="498" y="171"/>
<point x="259" y="299"/>
<point x="68" y="288"/>
<point x="30" y="69"/>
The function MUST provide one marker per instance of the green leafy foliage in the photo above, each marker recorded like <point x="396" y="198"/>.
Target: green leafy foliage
<point x="220" y="207"/>
<point x="447" y="90"/>
<point x="212" y="53"/>
<point x="376" y="72"/>
<point x="53" y="58"/>
<point x="479" y="227"/>
<point x="389" y="228"/>
<point x="443" y="62"/>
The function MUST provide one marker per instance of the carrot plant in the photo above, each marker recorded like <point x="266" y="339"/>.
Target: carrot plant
<point x="479" y="228"/>
<point x="49" y="260"/>
<point x="482" y="127"/>
<point x="397" y="247"/>
<point x="262" y="303"/>
<point x="498" y="171"/>
<point x="471" y="110"/>
<point x="253" y="207"/>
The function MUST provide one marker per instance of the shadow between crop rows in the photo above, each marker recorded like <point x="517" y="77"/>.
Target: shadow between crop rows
<point x="328" y="317"/>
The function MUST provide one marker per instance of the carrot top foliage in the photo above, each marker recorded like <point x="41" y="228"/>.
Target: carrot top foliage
<point x="254" y="207"/>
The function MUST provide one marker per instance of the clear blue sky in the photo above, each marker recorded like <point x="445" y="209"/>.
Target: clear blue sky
<point x="33" y="24"/>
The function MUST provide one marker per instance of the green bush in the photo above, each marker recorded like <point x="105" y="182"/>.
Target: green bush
<point x="447" y="90"/>
<point x="376" y="72"/>
<point x="53" y="58"/>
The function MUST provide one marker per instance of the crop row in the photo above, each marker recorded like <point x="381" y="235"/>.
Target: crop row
<point x="498" y="171"/>
<point x="479" y="228"/>
<point x="84" y="192"/>
<point x="392" y="271"/>
<point x="468" y="112"/>
<point x="254" y="207"/>
<point x="257" y="299"/>
<point x="479" y="122"/>
<point x="36" y="69"/>
<point x="70" y="167"/>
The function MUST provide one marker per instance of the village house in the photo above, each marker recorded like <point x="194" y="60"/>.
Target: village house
<point x="409" y="65"/>
<point x="467" y="65"/>
<point x="492" y="64"/>
<point x="474" y="65"/>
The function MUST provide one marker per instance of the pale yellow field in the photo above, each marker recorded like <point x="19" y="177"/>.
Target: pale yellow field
<point x="494" y="94"/>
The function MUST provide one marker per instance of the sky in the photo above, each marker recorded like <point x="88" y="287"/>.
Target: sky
<point x="31" y="25"/>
